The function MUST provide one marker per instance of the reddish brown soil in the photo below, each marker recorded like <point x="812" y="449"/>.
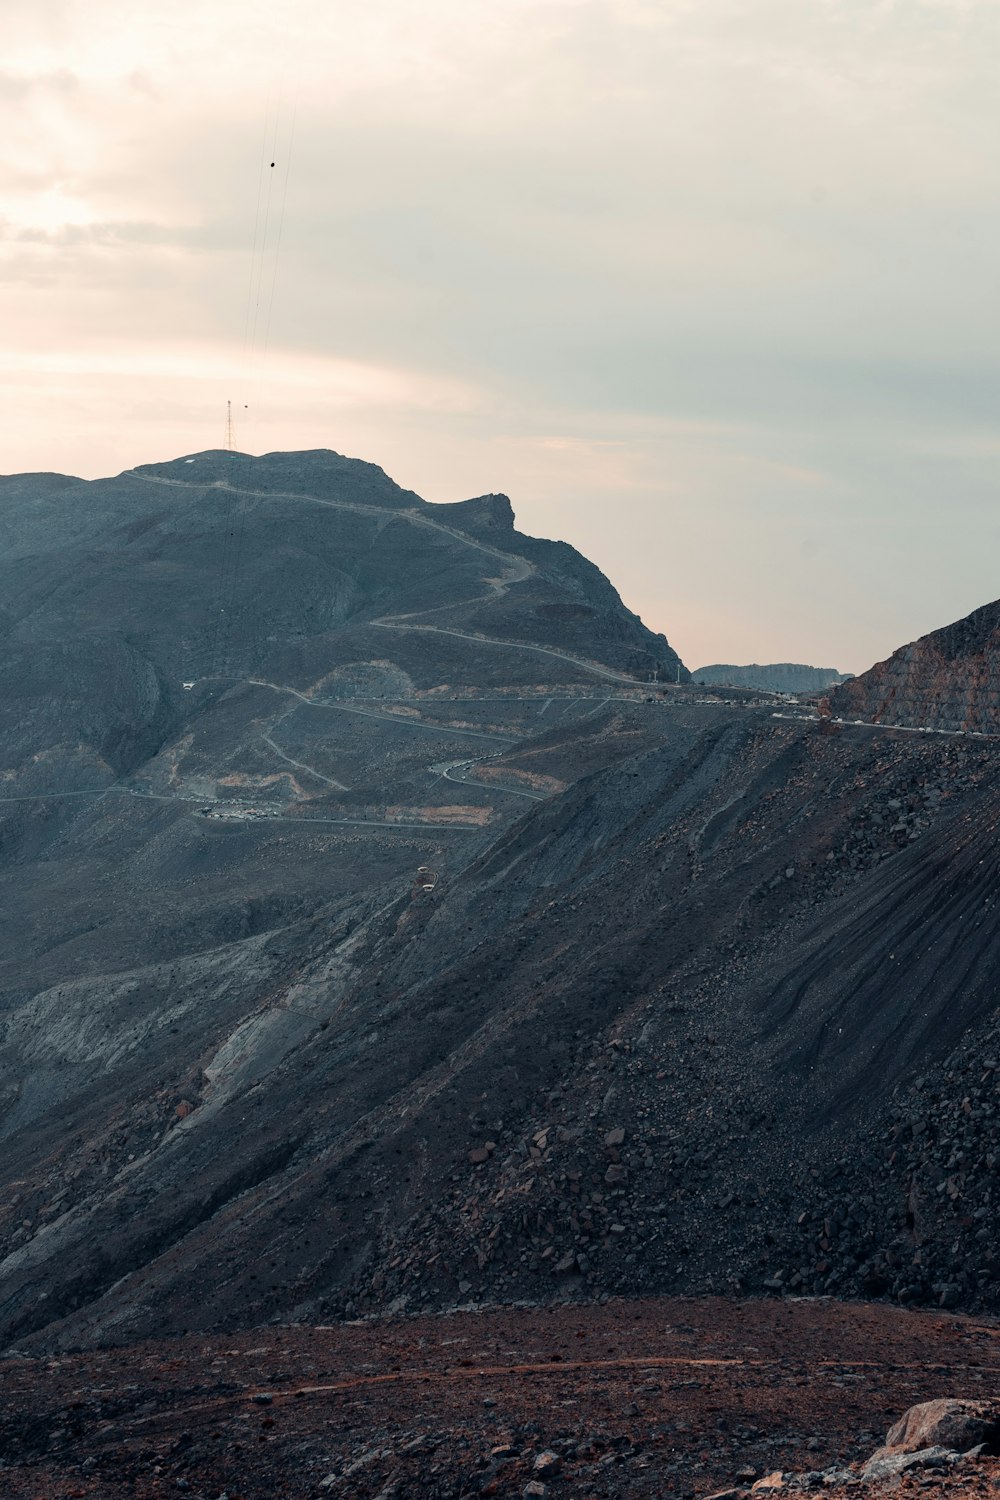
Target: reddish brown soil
<point x="659" y="1397"/>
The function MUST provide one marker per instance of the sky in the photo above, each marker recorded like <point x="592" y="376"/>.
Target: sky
<point x="708" y="287"/>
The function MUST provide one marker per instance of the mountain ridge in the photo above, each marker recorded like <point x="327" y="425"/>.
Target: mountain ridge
<point x="426" y="951"/>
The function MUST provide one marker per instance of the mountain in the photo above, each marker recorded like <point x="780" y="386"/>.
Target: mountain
<point x="248" y="702"/>
<point x="201" y="654"/>
<point x="949" y="679"/>
<point x="778" y="677"/>
<point x="420" y="952"/>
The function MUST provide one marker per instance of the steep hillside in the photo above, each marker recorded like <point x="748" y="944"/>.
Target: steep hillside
<point x="949" y="679"/>
<point x="660" y="1035"/>
<point x="427" y="954"/>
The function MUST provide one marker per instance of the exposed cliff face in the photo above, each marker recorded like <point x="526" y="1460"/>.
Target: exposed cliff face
<point x="949" y="679"/>
<point x="486" y="513"/>
<point x="775" y="677"/>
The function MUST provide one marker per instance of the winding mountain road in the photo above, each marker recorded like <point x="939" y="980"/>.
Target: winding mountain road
<point x="311" y="770"/>
<point x="520" y="567"/>
<point x="595" y="668"/>
<point x="447" y="771"/>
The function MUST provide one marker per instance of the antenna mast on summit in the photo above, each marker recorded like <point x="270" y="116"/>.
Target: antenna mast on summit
<point x="230" y="444"/>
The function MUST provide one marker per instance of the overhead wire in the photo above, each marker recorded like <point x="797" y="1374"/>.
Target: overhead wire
<point x="256" y="231"/>
<point x="220" y="645"/>
<point x="281" y="225"/>
<point x="262" y="262"/>
<point x="259" y="349"/>
<point x="253" y="347"/>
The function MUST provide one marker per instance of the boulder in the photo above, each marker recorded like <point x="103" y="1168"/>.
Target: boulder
<point x="949" y="1424"/>
<point x="547" y="1462"/>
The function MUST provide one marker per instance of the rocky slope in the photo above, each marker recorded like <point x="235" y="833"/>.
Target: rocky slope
<point x="249" y="704"/>
<point x="429" y="956"/>
<point x="776" y="677"/>
<point x="671" y="1031"/>
<point x="949" y="679"/>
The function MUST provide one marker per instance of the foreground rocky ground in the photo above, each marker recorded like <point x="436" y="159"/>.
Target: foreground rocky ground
<point x="678" y="1397"/>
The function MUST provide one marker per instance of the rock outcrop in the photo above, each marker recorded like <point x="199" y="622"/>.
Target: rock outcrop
<point x="949" y="679"/>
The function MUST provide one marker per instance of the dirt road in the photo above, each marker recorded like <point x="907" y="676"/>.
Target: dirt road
<point x="669" y="1397"/>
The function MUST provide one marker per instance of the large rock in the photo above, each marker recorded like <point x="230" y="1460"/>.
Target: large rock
<point x="958" y="1425"/>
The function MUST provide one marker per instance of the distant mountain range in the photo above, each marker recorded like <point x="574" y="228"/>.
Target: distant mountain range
<point x="777" y="677"/>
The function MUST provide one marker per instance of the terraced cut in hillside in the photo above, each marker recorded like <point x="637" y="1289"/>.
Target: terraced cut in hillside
<point x="949" y="679"/>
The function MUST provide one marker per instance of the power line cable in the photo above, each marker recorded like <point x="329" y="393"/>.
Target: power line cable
<point x="235" y="509"/>
<point x="262" y="346"/>
<point x="281" y="225"/>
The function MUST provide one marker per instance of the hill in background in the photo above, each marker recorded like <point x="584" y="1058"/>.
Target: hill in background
<point x="778" y="677"/>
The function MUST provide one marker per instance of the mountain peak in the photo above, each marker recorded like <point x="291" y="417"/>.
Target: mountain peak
<point x="316" y="472"/>
<point x="484" y="513"/>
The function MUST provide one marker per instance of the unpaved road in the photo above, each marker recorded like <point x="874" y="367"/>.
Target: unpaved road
<point x="518" y="568"/>
<point x="648" y="1399"/>
<point x="452" y="771"/>
<point x="594" y="668"/>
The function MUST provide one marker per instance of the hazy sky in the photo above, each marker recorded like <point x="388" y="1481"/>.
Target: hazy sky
<point x="709" y="287"/>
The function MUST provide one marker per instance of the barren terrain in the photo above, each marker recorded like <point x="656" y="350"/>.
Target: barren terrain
<point x="660" y="1397"/>
<point x="388" y="926"/>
